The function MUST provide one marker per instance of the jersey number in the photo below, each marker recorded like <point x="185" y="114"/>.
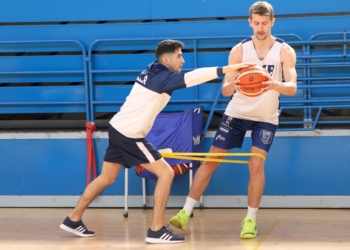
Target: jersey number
<point x="270" y="68"/>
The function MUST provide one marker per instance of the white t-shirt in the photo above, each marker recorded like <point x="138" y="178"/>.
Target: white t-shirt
<point x="263" y="108"/>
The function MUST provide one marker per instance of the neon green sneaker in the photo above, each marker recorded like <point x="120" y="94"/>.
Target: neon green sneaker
<point x="180" y="220"/>
<point x="249" y="230"/>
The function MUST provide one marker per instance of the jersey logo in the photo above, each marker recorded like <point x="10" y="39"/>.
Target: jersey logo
<point x="143" y="81"/>
<point x="270" y="68"/>
<point x="196" y="140"/>
<point x="266" y="136"/>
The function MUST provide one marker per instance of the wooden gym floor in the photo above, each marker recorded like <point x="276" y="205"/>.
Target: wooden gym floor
<point x="279" y="229"/>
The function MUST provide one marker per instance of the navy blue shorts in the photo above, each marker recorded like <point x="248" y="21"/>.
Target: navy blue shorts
<point x="129" y="151"/>
<point x="231" y="132"/>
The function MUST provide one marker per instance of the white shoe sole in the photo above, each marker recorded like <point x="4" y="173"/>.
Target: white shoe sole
<point x="68" y="229"/>
<point x="160" y="241"/>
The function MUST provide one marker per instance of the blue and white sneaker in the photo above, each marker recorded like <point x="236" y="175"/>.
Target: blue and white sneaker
<point x="163" y="236"/>
<point x="77" y="228"/>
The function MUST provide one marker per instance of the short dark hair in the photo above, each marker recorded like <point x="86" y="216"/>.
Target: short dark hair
<point x="261" y="8"/>
<point x="167" y="46"/>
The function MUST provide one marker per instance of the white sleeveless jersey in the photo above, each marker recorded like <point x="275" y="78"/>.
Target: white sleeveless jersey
<point x="263" y="108"/>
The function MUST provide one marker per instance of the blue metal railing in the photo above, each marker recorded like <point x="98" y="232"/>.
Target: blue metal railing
<point x="310" y="60"/>
<point x="39" y="47"/>
<point x="309" y="81"/>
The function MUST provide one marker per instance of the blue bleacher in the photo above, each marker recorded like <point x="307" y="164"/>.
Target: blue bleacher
<point x="85" y="61"/>
<point x="36" y="78"/>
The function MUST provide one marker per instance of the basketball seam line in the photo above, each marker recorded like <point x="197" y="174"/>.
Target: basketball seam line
<point x="250" y="72"/>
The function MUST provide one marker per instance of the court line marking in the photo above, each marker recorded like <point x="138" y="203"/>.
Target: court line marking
<point x="266" y="235"/>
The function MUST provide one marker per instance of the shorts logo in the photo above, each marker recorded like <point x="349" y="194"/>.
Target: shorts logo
<point x="228" y="121"/>
<point x="266" y="136"/>
<point x="221" y="138"/>
<point x="196" y="140"/>
<point x="224" y="130"/>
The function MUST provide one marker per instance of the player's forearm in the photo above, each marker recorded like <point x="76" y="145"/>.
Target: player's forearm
<point x="229" y="68"/>
<point x="287" y="88"/>
<point x="202" y="75"/>
<point x="228" y="89"/>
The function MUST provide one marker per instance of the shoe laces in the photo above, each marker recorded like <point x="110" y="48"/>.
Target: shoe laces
<point x="167" y="228"/>
<point x="183" y="213"/>
<point x="82" y="223"/>
<point x="248" y="223"/>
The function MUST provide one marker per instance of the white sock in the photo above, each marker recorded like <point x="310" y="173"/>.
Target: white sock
<point x="189" y="205"/>
<point x="252" y="212"/>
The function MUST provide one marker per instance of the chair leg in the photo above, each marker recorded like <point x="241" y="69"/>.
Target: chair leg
<point x="191" y="178"/>
<point x="126" y="170"/>
<point x="201" y="206"/>
<point x="144" y="193"/>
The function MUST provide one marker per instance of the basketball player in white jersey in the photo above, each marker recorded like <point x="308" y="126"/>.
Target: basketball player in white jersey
<point x="259" y="114"/>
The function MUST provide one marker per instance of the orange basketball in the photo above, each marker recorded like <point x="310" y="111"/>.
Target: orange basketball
<point x="180" y="168"/>
<point x="251" y="79"/>
<point x="139" y="169"/>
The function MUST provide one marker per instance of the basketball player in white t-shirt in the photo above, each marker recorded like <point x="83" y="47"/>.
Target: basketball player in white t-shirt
<point x="259" y="114"/>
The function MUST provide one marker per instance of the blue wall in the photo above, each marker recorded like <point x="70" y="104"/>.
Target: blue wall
<point x="91" y="10"/>
<point x="82" y="20"/>
<point x="295" y="166"/>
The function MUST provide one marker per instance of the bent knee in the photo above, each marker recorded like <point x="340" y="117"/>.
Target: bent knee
<point x="210" y="166"/>
<point x="107" y="180"/>
<point x="166" y="173"/>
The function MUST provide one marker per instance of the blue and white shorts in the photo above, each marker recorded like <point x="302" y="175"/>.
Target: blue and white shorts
<point x="231" y="132"/>
<point x="129" y="151"/>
